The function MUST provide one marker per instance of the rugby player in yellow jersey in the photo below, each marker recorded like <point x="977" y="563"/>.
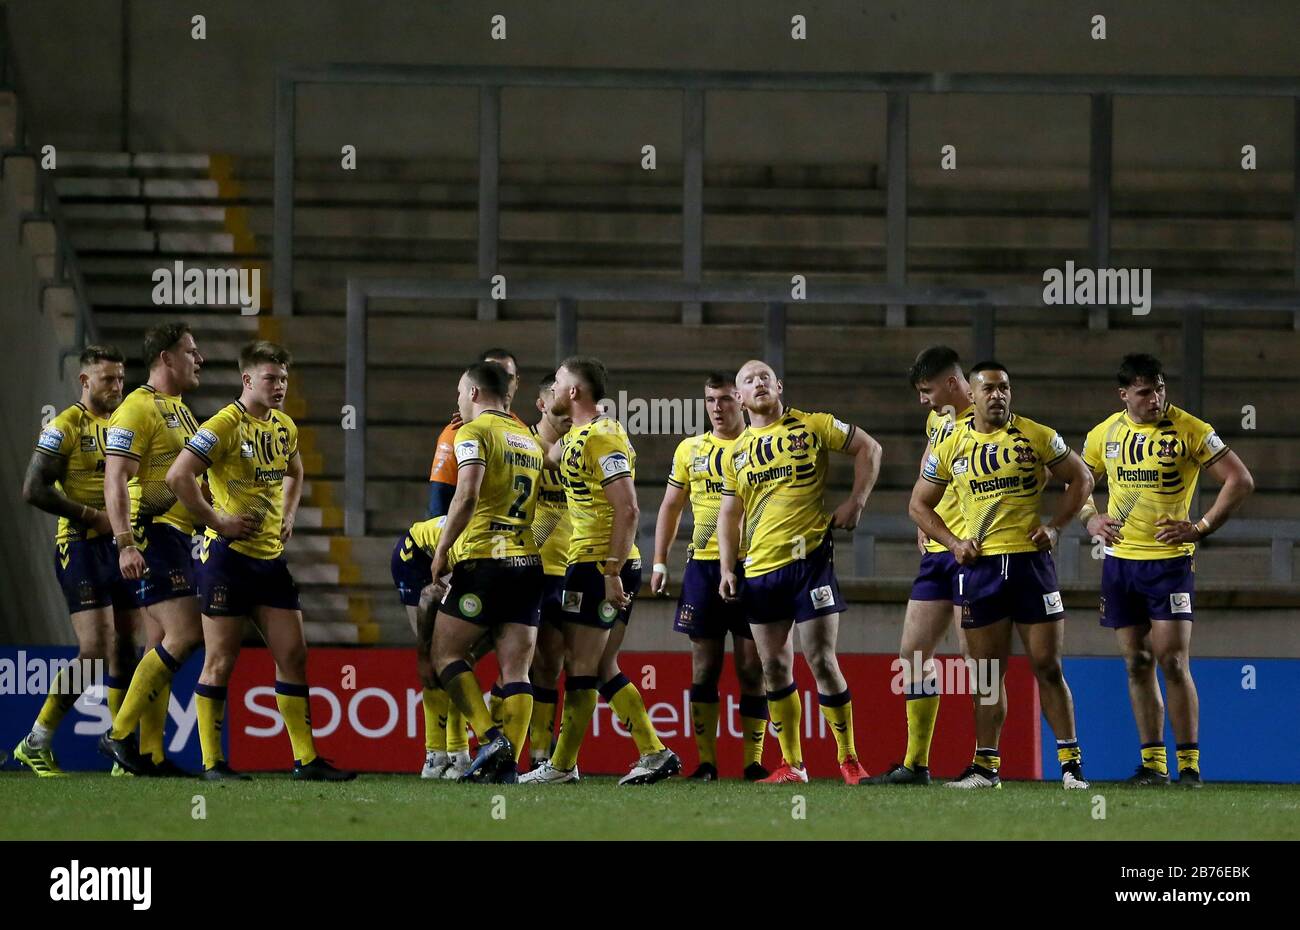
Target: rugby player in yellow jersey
<point x="603" y="575"/>
<point x="66" y="478"/>
<point x="551" y="532"/>
<point x="411" y="566"/>
<point x="937" y="378"/>
<point x="774" y="481"/>
<point x="1151" y="454"/>
<point x="496" y="571"/>
<point x="702" y="614"/>
<point x="999" y="463"/>
<point x="249" y="451"/>
<point x="153" y="531"/>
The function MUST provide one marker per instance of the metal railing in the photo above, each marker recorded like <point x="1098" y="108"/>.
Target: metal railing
<point x="694" y="86"/>
<point x="776" y="300"/>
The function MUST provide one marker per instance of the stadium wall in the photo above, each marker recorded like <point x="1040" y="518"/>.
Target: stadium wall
<point x="215" y="94"/>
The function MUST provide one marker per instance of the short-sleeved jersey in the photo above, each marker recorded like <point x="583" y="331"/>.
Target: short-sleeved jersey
<point x="443" y="468"/>
<point x="593" y="455"/>
<point x="779" y="473"/>
<point x="247" y="460"/>
<point x="999" y="479"/>
<point x="152" y="428"/>
<point x="1151" y="471"/>
<point x="501" y="525"/>
<point x="426" y="534"/>
<point x="697" y="467"/>
<point x="77" y="436"/>
<point x="937" y="427"/>
<point x="551" y="527"/>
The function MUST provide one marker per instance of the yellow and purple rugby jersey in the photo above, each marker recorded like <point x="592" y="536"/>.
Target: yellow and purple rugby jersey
<point x="551" y="527"/>
<point x="999" y="479"/>
<point x="1151" y="471"/>
<point x="697" y="467"/>
<point x="779" y="473"/>
<point x="501" y="525"/>
<point x="593" y="455"/>
<point x="425" y="535"/>
<point x="152" y="428"/>
<point x="247" y="459"/>
<point x="937" y="427"/>
<point x="77" y="436"/>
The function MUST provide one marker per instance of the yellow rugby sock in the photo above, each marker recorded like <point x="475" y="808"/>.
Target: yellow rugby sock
<point x="64" y="691"/>
<point x="152" y="679"/>
<point x="1155" y="757"/>
<point x="462" y="687"/>
<point x="704" y="720"/>
<point x="541" y="728"/>
<point x="295" y="707"/>
<point x="516" y="713"/>
<point x="116" y="688"/>
<point x="623" y="696"/>
<point x="153" y="723"/>
<point x="838" y="711"/>
<point x="753" y="723"/>
<point x="457" y="737"/>
<point x="579" y="704"/>
<point x="1068" y="751"/>
<point x="988" y="758"/>
<point x="435" y="719"/>
<point x="495" y="701"/>
<point x="1189" y="757"/>
<point x="210" y="701"/>
<point x="922" y="712"/>
<point x="787" y="710"/>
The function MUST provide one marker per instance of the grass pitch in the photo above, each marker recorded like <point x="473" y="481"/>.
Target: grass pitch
<point x="383" y="807"/>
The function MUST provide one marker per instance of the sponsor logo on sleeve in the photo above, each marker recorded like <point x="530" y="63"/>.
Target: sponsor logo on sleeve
<point x="614" y="464"/>
<point x="50" y="439"/>
<point x="841" y="427"/>
<point x="467" y="449"/>
<point x="1213" y="442"/>
<point x="119" y="439"/>
<point x="932" y="466"/>
<point x="1180" y="603"/>
<point x="1052" y="603"/>
<point x="204" y="441"/>
<point x="1058" y="445"/>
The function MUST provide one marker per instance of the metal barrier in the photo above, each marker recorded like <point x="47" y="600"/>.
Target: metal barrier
<point x="694" y="86"/>
<point x="776" y="300"/>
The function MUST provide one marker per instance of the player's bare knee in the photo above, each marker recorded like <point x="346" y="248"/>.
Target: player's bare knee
<point x="1048" y="671"/>
<point x="1174" y="666"/>
<point x="776" y="673"/>
<point x="1139" y="663"/>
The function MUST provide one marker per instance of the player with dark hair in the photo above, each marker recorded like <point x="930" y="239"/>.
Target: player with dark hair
<point x="152" y="531"/>
<point x="999" y="464"/>
<point x="65" y="477"/>
<point x="702" y="614"/>
<point x="249" y="451"/>
<point x="1151" y="454"/>
<point x="496" y="579"/>
<point x="774" y="481"/>
<point x="604" y="573"/>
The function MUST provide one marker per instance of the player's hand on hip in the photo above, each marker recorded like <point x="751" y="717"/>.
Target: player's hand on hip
<point x="131" y="563"/>
<point x="966" y="551"/>
<point x="1045" y="537"/>
<point x="1176" y="532"/>
<point x="846" y="515"/>
<point x="1106" y="528"/>
<point x="729" y="587"/>
<point x="921" y="540"/>
<point x="614" y="592"/>
<point x="236" y="526"/>
<point x="659" y="583"/>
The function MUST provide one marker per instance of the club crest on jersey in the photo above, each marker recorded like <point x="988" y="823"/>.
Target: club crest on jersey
<point x="1112" y="450"/>
<point x="86" y="592"/>
<point x="571" y="602"/>
<point x="178" y="580"/>
<point x="1180" y="603"/>
<point x="1025" y="455"/>
<point x="1168" y="449"/>
<point x="797" y="442"/>
<point x="219" y="596"/>
<point x="50" y="439"/>
<point x="1052" y="603"/>
<point x="822" y="596"/>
